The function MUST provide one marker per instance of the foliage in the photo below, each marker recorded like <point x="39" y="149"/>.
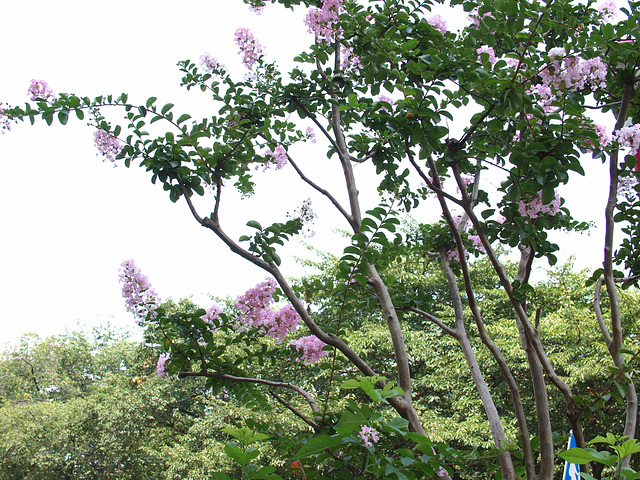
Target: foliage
<point x="527" y="74"/>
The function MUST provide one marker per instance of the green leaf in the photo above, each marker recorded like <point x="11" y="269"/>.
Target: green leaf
<point x="350" y="384"/>
<point x="63" y="116"/>
<point x="578" y="456"/>
<point x="254" y="224"/>
<point x="628" y="448"/>
<point x="318" y="444"/>
<point x="166" y="108"/>
<point x="183" y="118"/>
<point x="237" y="454"/>
<point x="151" y="101"/>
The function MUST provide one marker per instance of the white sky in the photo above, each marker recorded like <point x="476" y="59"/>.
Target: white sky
<point x="68" y="219"/>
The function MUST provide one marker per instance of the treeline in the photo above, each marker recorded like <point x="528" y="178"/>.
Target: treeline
<point x="90" y="404"/>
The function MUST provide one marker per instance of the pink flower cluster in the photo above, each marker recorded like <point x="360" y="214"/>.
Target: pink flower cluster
<point x="311" y="134"/>
<point x="475" y="17"/>
<point x="350" y="61"/>
<point x="278" y="157"/>
<point x="627" y="184"/>
<point x="4" y="121"/>
<point x="161" y="366"/>
<point x="534" y="208"/>
<point x="39" y="90"/>
<point x="603" y="136"/>
<point x="256" y="10"/>
<point x="108" y="146"/>
<point x="437" y="22"/>
<point x="489" y="51"/>
<point x="454" y="254"/>
<point x="368" y="435"/>
<point x="250" y="48"/>
<point x="442" y="472"/>
<point x="311" y="347"/>
<point x="608" y="9"/>
<point x="212" y="314"/>
<point x="477" y="243"/>
<point x="323" y="22"/>
<point x="572" y="73"/>
<point x="210" y="64"/>
<point x="386" y="99"/>
<point x="140" y="297"/>
<point x="256" y="312"/>
<point x="628" y="137"/>
<point x="307" y="216"/>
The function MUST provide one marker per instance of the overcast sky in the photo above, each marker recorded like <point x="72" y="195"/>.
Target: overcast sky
<point x="68" y="219"/>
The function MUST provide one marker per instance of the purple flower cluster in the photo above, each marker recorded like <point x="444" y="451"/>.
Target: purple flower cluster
<point x="108" y="146"/>
<point x="368" y="435"/>
<point x="161" y="366"/>
<point x="250" y="48"/>
<point x="311" y="347"/>
<point x="210" y="64"/>
<point x="477" y="243"/>
<point x="212" y="314"/>
<point x="311" y="134"/>
<point x="628" y="137"/>
<point x="306" y="215"/>
<point x="278" y="157"/>
<point x="608" y="9"/>
<point x="140" y="297"/>
<point x="534" y="208"/>
<point x="323" y="22"/>
<point x="437" y="22"/>
<point x="488" y="50"/>
<point x="5" y="125"/>
<point x="256" y="10"/>
<point x="626" y="185"/>
<point x="572" y="73"/>
<point x="256" y="312"/>
<point x="475" y="17"/>
<point x="350" y="61"/>
<point x="386" y="99"/>
<point x="39" y="90"/>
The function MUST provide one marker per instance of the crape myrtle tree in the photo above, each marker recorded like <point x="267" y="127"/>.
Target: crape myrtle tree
<point x="381" y="83"/>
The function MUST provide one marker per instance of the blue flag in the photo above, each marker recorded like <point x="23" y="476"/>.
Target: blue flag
<point x="571" y="470"/>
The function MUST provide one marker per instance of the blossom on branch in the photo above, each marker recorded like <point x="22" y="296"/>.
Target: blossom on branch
<point x="39" y="90"/>
<point x="573" y="73"/>
<point x="350" y="60"/>
<point x="534" y="208"/>
<point x="608" y="9"/>
<point x="5" y="125"/>
<point x="278" y="157"/>
<point x="323" y="22"/>
<point x="311" y="347"/>
<point x="140" y="297"/>
<point x="212" y="313"/>
<point x="108" y="146"/>
<point x="161" y="366"/>
<point x="437" y="22"/>
<point x="256" y="312"/>
<point x="210" y="64"/>
<point x="628" y="137"/>
<point x="250" y="48"/>
<point x="489" y="51"/>
<point x="368" y="435"/>
<point x="311" y="134"/>
<point x="306" y="215"/>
